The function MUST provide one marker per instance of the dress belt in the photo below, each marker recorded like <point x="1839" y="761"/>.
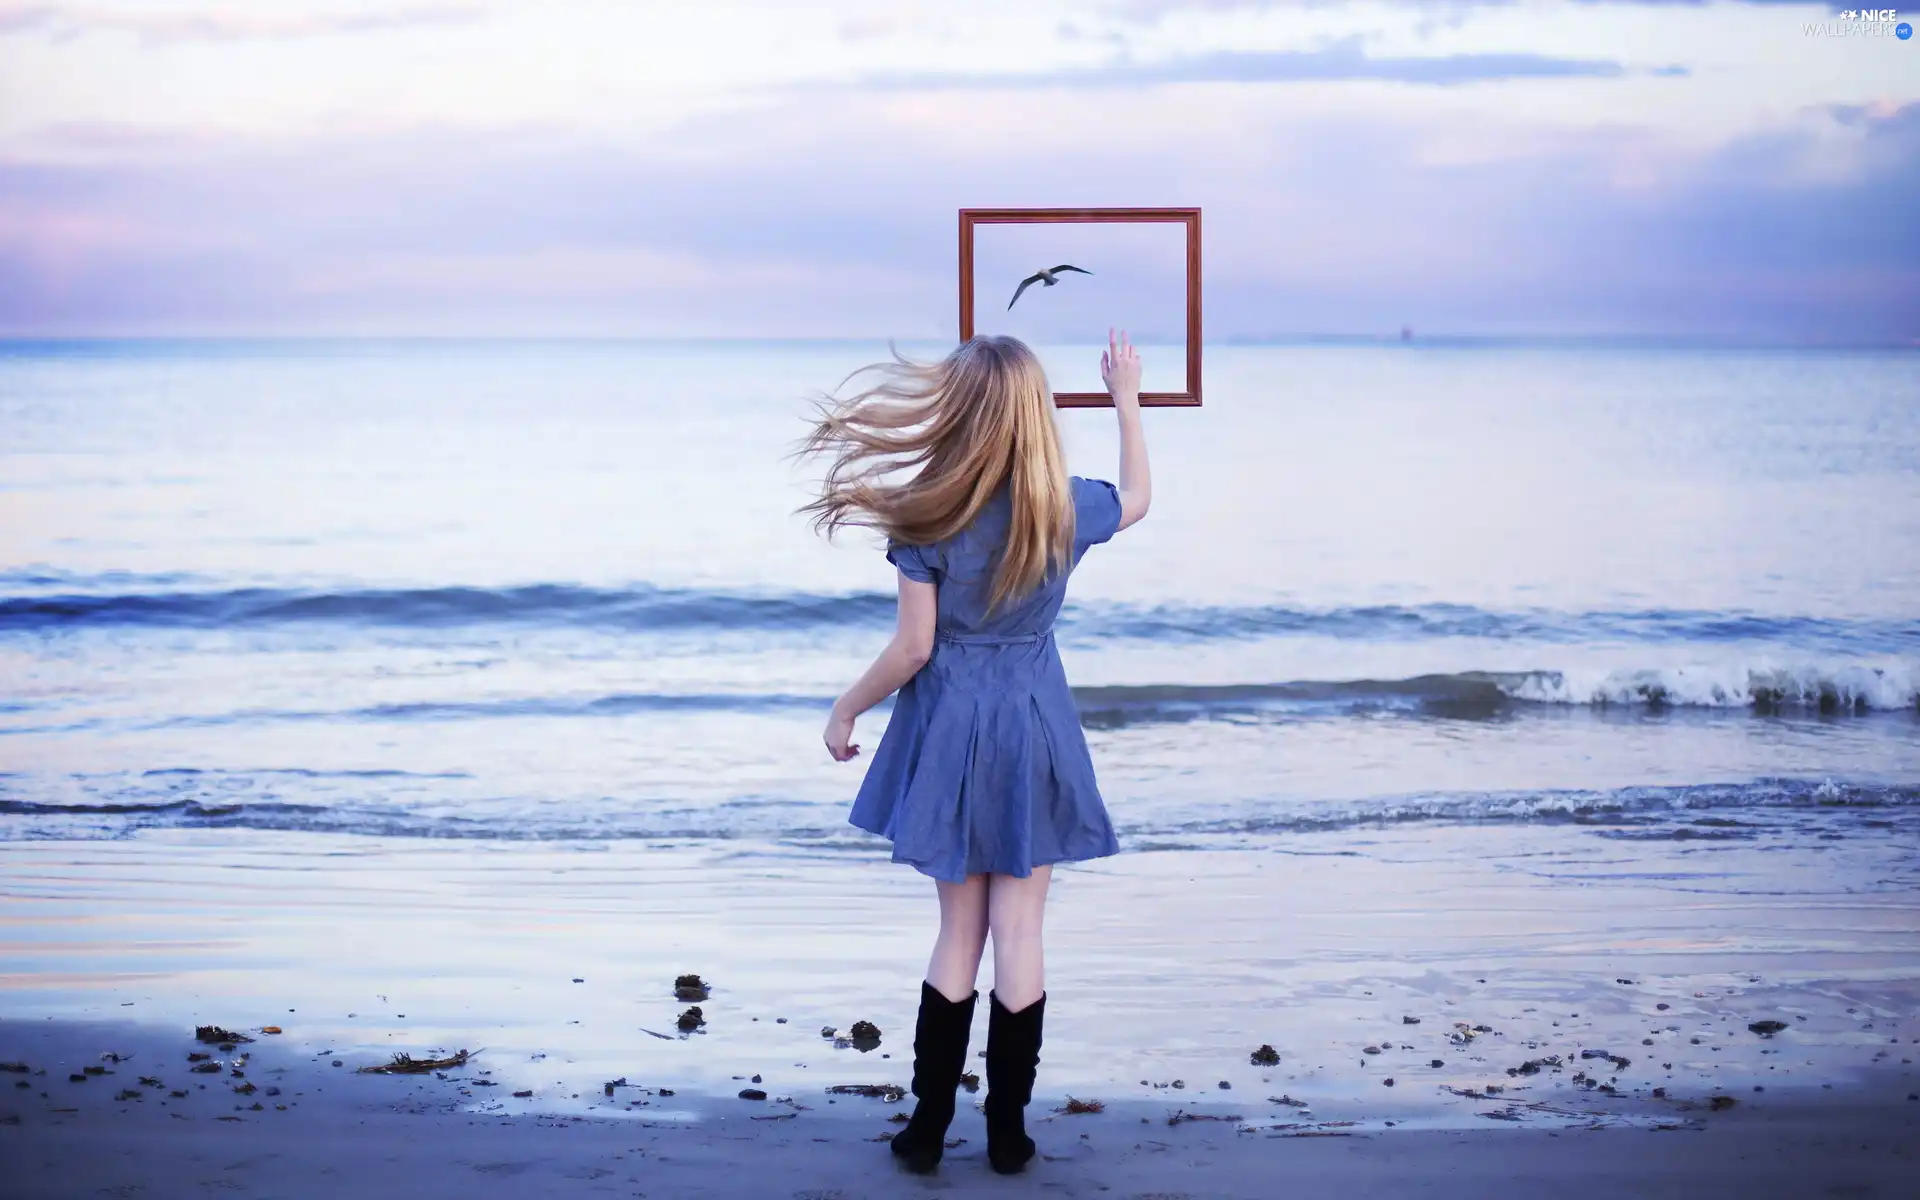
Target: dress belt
<point x="994" y="639"/>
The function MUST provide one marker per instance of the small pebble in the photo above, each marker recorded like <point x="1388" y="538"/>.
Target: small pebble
<point x="752" y="1094"/>
<point x="1387" y="1082"/>
<point x="1224" y="1085"/>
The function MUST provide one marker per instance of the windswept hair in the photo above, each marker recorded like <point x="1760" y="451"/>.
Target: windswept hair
<point x="981" y="416"/>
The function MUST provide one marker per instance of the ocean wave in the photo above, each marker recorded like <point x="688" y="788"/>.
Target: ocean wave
<point x="619" y="704"/>
<point x="1467" y="695"/>
<point x="51" y="602"/>
<point x="1832" y="690"/>
<point x="1697" y="808"/>
<point x="1825" y="688"/>
<point x="1713" y="812"/>
<point x="641" y="607"/>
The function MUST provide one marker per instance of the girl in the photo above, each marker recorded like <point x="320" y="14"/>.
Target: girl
<point x="982" y="779"/>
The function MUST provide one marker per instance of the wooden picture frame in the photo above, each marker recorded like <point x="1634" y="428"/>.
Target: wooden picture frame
<point x="1190" y="217"/>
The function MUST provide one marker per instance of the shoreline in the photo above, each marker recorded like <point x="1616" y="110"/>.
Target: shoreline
<point x="1445" y="960"/>
<point x="340" y="1130"/>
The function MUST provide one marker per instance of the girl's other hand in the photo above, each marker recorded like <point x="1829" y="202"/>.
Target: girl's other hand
<point x="1120" y="367"/>
<point x="839" y="736"/>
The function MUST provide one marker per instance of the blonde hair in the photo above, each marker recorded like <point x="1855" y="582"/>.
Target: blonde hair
<point x="981" y="416"/>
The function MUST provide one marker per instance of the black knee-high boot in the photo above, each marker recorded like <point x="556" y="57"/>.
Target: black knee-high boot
<point x="939" y="1057"/>
<point x="1013" y="1055"/>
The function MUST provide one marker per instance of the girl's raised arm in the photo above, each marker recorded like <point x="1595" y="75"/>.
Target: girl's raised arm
<point x="1120" y="368"/>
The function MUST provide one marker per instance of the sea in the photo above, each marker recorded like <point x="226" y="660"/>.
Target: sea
<point x="557" y="592"/>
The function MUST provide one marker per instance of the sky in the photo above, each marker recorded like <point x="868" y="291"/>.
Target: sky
<point x="793" y="168"/>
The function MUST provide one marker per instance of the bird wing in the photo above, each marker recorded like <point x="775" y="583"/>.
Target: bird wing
<point x="1071" y="267"/>
<point x="1026" y="283"/>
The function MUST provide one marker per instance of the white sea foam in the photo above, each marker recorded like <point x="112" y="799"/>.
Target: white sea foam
<point x="1881" y="686"/>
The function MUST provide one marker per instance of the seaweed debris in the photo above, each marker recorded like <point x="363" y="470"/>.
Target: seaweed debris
<point x="691" y="987"/>
<point x="405" y="1064"/>
<point x="213" y="1033"/>
<point x="1180" y="1114"/>
<point x="892" y="1093"/>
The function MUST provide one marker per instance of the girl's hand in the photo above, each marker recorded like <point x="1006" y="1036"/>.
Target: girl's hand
<point x="1120" y="368"/>
<point x="839" y="736"/>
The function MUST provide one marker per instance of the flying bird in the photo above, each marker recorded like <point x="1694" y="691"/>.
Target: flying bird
<point x="1044" y="276"/>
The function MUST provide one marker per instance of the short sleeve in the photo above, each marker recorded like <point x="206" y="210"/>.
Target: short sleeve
<point x="1096" y="510"/>
<point x="915" y="562"/>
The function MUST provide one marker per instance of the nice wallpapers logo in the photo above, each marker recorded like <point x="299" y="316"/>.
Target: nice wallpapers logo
<point x="1862" y="22"/>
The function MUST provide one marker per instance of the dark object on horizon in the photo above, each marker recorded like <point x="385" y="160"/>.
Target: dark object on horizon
<point x="1406" y="333"/>
<point x="1046" y="277"/>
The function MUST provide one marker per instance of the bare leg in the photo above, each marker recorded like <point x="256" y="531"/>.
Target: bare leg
<point x="1014" y="911"/>
<point x="963" y="937"/>
<point x="941" y="1029"/>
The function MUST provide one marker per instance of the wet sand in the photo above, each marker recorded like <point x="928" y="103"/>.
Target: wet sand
<point x="309" y="1129"/>
<point x="1450" y="1009"/>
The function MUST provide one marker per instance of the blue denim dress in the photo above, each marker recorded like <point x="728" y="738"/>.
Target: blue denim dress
<point x="983" y="767"/>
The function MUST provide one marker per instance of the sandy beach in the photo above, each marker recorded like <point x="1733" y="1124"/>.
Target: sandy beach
<point x="315" y="1131"/>
<point x="1440" y="1026"/>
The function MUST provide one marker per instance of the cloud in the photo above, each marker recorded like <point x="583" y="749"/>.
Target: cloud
<point x="66" y="22"/>
<point x="837" y="217"/>
<point x="1344" y="59"/>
